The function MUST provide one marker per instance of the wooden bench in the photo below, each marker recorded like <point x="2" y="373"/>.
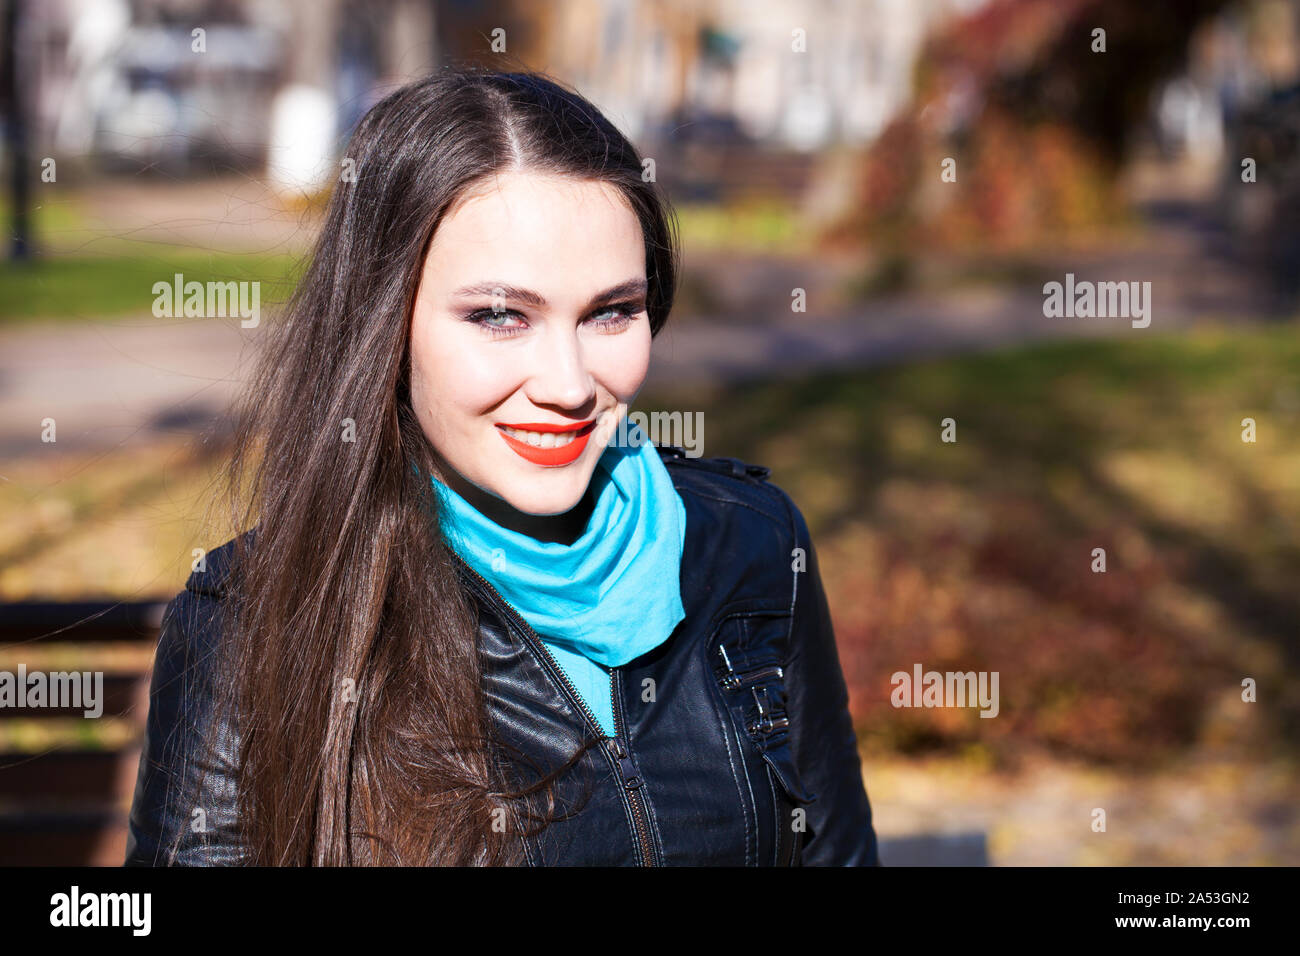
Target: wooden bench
<point x="66" y="780"/>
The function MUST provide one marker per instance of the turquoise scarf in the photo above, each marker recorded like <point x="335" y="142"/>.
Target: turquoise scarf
<point x="612" y="595"/>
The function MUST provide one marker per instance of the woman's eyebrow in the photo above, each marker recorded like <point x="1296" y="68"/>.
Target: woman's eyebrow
<point x="632" y="287"/>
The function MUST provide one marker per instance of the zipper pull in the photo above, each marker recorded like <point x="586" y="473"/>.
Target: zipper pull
<point x="626" y="765"/>
<point x="732" y="680"/>
<point x="766" y="722"/>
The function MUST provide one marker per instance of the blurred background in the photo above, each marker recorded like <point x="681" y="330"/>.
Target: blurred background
<point x="917" y="169"/>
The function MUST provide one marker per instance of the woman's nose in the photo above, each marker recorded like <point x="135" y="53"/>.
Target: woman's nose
<point x="560" y="377"/>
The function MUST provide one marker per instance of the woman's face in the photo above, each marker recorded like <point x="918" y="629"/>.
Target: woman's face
<point x="529" y="336"/>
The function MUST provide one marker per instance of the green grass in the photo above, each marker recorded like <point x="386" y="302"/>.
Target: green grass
<point x="86" y="287"/>
<point x="1020" y="412"/>
<point x="757" y="225"/>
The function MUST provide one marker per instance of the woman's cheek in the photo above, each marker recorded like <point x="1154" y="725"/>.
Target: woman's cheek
<point x="624" y="361"/>
<point x="473" y="377"/>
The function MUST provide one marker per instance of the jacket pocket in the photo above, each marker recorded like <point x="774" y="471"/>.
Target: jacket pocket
<point x="749" y="663"/>
<point x="789" y="816"/>
<point x="780" y="763"/>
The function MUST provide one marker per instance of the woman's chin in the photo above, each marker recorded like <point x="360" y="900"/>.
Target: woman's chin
<point x="538" y="504"/>
<point x="541" y="492"/>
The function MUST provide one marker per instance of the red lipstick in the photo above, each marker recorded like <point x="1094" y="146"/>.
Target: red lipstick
<point x="549" y="457"/>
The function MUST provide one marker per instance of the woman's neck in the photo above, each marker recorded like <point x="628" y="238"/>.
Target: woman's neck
<point x="562" y="528"/>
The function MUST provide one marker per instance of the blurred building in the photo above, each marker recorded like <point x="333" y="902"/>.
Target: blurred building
<point x="796" y="73"/>
<point x="188" y="84"/>
<point x="1235" y="62"/>
<point x="746" y="87"/>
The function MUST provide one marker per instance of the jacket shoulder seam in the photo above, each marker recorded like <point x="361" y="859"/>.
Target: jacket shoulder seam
<point x="727" y="488"/>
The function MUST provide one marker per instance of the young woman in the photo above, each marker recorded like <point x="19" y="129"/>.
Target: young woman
<point x="478" y="619"/>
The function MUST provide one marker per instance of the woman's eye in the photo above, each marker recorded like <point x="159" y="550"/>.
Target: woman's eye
<point x="615" y="316"/>
<point x="612" y="318"/>
<point x="498" y="320"/>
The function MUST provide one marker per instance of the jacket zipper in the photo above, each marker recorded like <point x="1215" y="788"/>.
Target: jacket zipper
<point x="626" y="766"/>
<point x="734" y="681"/>
<point x="631" y="776"/>
<point x="766" y="723"/>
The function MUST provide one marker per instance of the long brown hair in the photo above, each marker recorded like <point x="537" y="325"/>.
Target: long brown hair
<point x="351" y="647"/>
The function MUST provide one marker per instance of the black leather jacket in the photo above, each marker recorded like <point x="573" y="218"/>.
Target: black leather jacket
<point x="734" y="745"/>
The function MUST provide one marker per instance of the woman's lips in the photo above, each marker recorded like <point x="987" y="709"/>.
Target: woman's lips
<point x="564" y="451"/>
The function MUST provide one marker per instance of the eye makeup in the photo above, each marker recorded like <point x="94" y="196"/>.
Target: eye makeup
<point x="624" y="314"/>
